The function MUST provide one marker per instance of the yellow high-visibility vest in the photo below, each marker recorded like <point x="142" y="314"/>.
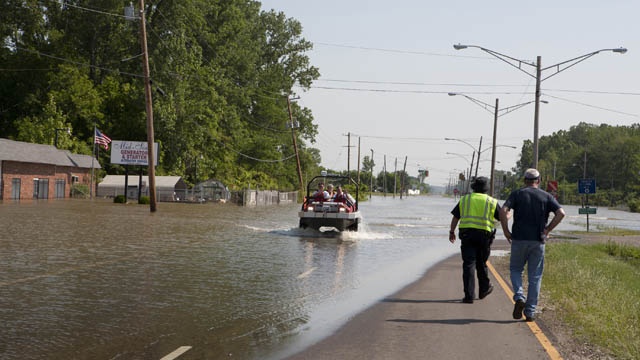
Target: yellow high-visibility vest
<point x="476" y="211"/>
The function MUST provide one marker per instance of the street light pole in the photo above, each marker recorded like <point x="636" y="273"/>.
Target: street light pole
<point x="536" y="112"/>
<point x="493" y="148"/>
<point x="496" y="115"/>
<point x="559" y="67"/>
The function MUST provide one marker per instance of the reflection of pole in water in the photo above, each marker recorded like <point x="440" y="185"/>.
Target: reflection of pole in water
<point x="308" y="258"/>
<point x="308" y="261"/>
<point x="339" y="267"/>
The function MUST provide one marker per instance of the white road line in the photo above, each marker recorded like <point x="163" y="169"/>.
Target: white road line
<point x="176" y="353"/>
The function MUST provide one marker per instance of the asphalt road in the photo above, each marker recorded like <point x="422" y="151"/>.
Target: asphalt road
<point x="427" y="320"/>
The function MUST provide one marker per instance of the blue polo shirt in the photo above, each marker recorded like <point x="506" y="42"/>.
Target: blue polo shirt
<point x="531" y="207"/>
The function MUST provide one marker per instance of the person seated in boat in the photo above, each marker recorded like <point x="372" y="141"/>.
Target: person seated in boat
<point x="345" y="200"/>
<point x="331" y="191"/>
<point x="321" y="194"/>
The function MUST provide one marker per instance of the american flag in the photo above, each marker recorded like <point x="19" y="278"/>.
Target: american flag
<point x="102" y="139"/>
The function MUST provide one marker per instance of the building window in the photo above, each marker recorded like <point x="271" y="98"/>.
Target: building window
<point x="74" y="179"/>
<point x="15" y="189"/>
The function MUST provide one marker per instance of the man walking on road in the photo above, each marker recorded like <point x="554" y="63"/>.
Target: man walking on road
<point x="531" y="207"/>
<point x="477" y="213"/>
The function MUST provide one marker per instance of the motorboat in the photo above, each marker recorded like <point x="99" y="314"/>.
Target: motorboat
<point x="322" y="214"/>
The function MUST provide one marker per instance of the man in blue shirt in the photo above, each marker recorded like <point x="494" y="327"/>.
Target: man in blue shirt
<point x="531" y="207"/>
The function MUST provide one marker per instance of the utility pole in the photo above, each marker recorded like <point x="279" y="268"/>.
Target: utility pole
<point x="478" y="161"/>
<point x="349" y="154"/>
<point x="493" y="149"/>
<point x="358" y="176"/>
<point x="404" y="171"/>
<point x="295" y="144"/>
<point x="149" y="109"/>
<point x="395" y="177"/>
<point x="384" y="178"/>
<point x="371" y="188"/>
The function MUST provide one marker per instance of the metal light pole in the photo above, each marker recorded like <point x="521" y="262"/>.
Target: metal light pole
<point x="474" y="149"/>
<point x="468" y="180"/>
<point x="496" y="114"/>
<point x="559" y="67"/>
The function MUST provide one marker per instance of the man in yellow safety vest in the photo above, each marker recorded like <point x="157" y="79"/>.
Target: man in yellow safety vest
<point x="476" y="214"/>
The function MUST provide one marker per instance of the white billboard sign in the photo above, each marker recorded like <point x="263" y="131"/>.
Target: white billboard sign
<point x="131" y="153"/>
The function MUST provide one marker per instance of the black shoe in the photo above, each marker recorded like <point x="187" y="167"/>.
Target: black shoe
<point x="485" y="293"/>
<point x="517" y="309"/>
<point x="467" y="301"/>
<point x="529" y="318"/>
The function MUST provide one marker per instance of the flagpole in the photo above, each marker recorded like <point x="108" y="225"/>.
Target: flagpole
<point x="93" y="158"/>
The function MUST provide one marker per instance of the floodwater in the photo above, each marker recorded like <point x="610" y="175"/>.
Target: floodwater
<point x="84" y="279"/>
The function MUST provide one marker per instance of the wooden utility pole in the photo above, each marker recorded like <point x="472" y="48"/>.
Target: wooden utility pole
<point x="404" y="172"/>
<point x="358" y="177"/>
<point x="149" y="109"/>
<point x="372" y="163"/>
<point x="349" y="154"/>
<point x="295" y="145"/>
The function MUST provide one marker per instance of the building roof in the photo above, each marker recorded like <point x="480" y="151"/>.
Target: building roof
<point x="161" y="181"/>
<point x="19" y="151"/>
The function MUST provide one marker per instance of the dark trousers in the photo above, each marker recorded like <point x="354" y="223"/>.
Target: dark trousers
<point x="475" y="249"/>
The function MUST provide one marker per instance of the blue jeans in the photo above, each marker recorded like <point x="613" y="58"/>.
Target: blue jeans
<point x="530" y="252"/>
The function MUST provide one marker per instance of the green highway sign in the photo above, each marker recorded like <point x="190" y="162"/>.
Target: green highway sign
<point x="587" y="210"/>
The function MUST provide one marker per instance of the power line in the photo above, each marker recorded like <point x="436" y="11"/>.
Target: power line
<point x="416" y="83"/>
<point x="400" y="51"/>
<point x="592" y="106"/>
<point x="254" y="158"/>
<point x="595" y="92"/>
<point x="103" y="12"/>
<point x="76" y="62"/>
<point x="413" y="91"/>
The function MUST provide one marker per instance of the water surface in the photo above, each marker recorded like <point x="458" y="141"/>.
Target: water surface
<point x="86" y="279"/>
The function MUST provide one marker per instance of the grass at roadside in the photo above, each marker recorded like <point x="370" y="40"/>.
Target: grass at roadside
<point x="595" y="290"/>
<point x="607" y="231"/>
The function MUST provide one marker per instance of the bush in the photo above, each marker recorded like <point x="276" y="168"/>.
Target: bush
<point x="80" y="191"/>
<point x="119" y="199"/>
<point x="144" y="200"/>
<point x="634" y="205"/>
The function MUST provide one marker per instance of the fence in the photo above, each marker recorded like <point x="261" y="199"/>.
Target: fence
<point x="246" y="197"/>
<point x="263" y="197"/>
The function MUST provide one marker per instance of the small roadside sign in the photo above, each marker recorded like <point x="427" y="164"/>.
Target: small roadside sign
<point x="587" y="186"/>
<point x="587" y="210"/>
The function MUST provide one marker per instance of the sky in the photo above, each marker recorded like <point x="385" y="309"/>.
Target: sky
<point x="387" y="68"/>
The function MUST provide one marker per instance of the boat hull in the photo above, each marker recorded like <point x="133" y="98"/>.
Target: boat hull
<point x="340" y="221"/>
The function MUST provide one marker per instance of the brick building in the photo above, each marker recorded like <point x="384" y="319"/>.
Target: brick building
<point x="36" y="171"/>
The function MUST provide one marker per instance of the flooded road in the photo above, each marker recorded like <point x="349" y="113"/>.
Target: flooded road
<point x="86" y="279"/>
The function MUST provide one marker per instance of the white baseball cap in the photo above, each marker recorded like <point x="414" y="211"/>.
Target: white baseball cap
<point x="531" y="174"/>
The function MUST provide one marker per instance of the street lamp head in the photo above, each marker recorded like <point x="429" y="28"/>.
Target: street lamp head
<point x="544" y="101"/>
<point x="452" y="94"/>
<point x="460" y="46"/>
<point x="620" y="50"/>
